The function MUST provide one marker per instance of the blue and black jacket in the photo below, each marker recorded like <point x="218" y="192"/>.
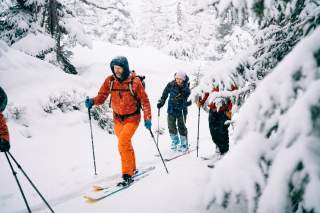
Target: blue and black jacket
<point x="178" y="97"/>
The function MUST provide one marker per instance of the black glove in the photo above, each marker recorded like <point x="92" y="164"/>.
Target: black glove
<point x="160" y="104"/>
<point x="4" y="145"/>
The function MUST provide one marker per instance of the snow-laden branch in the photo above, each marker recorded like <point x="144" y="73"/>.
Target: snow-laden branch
<point x="276" y="132"/>
<point x="124" y="12"/>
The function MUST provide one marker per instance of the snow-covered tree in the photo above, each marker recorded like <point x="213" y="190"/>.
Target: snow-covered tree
<point x="277" y="136"/>
<point x="156" y="22"/>
<point x="41" y="28"/>
<point x="16" y="20"/>
<point x="109" y="21"/>
<point x="275" y="162"/>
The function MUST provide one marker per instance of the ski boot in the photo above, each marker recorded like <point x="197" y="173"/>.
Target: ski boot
<point x="183" y="146"/>
<point x="174" y="142"/>
<point x="127" y="180"/>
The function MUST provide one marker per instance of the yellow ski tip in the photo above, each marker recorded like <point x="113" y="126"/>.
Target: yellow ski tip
<point x="97" y="188"/>
<point x="89" y="199"/>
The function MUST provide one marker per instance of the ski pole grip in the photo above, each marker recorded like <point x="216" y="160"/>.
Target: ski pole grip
<point x="88" y="109"/>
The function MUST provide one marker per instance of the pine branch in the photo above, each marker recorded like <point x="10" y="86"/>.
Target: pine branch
<point x="124" y="12"/>
<point x="202" y="9"/>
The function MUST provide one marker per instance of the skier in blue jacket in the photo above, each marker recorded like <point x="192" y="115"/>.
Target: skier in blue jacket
<point x="178" y="91"/>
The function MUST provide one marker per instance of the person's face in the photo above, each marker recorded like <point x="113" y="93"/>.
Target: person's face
<point x="118" y="71"/>
<point x="179" y="81"/>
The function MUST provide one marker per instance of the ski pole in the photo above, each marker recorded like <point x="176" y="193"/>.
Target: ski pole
<point x="154" y="140"/>
<point x="20" y="188"/>
<point x="198" y="131"/>
<point x="94" y="157"/>
<point x="185" y="124"/>
<point x="35" y="188"/>
<point x="158" y="126"/>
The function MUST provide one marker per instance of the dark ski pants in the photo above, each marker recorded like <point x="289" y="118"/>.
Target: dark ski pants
<point x="218" y="130"/>
<point x="176" y="123"/>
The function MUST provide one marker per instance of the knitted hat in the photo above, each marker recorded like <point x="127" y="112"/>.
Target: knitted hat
<point x="182" y="75"/>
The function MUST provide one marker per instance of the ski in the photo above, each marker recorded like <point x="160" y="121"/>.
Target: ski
<point x="113" y="190"/>
<point x="206" y="158"/>
<point x="101" y="187"/>
<point x="211" y="166"/>
<point x="213" y="163"/>
<point x="101" y="192"/>
<point x="180" y="154"/>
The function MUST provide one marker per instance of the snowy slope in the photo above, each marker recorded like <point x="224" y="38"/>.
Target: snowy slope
<point x="55" y="148"/>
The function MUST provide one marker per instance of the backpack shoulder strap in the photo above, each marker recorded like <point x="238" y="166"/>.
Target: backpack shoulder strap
<point x="110" y="90"/>
<point x="130" y="87"/>
<point x="131" y="82"/>
<point x="111" y="84"/>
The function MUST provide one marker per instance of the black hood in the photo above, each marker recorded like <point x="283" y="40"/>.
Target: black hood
<point x="3" y="100"/>
<point x="122" y="62"/>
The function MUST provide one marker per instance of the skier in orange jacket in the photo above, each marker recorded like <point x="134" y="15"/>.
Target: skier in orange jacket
<point x="128" y="97"/>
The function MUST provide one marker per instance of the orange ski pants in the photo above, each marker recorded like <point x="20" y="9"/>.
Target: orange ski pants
<point x="124" y="132"/>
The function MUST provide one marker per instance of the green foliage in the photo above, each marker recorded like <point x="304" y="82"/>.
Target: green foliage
<point x="103" y="115"/>
<point x="317" y="57"/>
<point x="258" y="8"/>
<point x="23" y="17"/>
<point x="15" y="23"/>
<point x="64" y="101"/>
<point x="297" y="186"/>
<point x="63" y="59"/>
<point x="282" y="26"/>
<point x="315" y="116"/>
<point x="54" y="12"/>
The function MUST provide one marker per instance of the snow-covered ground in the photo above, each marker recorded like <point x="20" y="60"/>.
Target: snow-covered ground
<point x="54" y="148"/>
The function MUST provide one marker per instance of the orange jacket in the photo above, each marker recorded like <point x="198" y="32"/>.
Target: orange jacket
<point x="123" y="103"/>
<point x="227" y="107"/>
<point x="4" y="133"/>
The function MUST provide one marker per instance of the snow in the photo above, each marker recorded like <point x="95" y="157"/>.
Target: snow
<point x="75" y="30"/>
<point x="54" y="148"/>
<point x="281" y="114"/>
<point x="243" y="158"/>
<point x="274" y="150"/>
<point x="34" y="44"/>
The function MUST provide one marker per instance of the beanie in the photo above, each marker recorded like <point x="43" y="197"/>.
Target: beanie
<point x="182" y="75"/>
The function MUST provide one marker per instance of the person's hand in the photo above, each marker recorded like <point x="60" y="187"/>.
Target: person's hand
<point x="4" y="145"/>
<point x="160" y="104"/>
<point x="88" y="103"/>
<point x="228" y="114"/>
<point x="199" y="104"/>
<point x="148" y="124"/>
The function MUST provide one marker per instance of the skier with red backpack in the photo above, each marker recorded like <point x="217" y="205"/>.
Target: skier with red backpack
<point x="220" y="111"/>
<point x="128" y="97"/>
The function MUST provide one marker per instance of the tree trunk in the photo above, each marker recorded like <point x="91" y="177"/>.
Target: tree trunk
<point x="52" y="17"/>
